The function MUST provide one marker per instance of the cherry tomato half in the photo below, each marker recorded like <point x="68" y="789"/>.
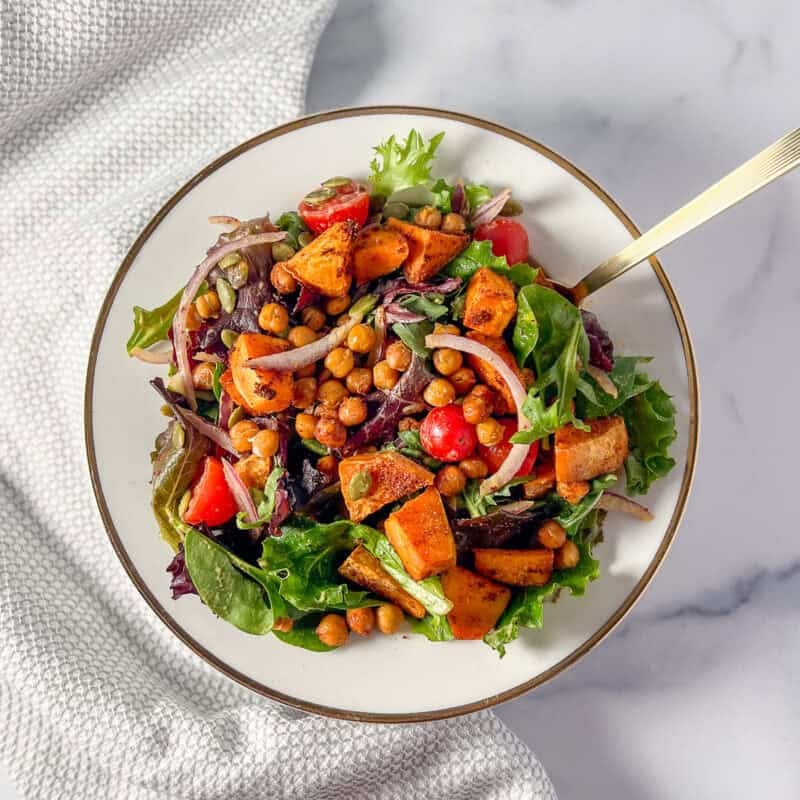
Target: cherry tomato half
<point x="212" y="502"/>
<point x="347" y="201"/>
<point x="495" y="455"/>
<point x="508" y="237"/>
<point x="446" y="435"/>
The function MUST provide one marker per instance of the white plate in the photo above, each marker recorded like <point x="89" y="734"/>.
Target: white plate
<point x="573" y="226"/>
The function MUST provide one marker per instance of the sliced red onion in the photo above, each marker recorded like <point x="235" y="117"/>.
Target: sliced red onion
<point x="376" y="354"/>
<point x="490" y="209"/>
<point x="400" y="286"/>
<point x="459" y="201"/>
<point x="225" y="410"/>
<point x="518" y="507"/>
<point x="152" y="356"/>
<point x="223" y="219"/>
<point x="396" y="313"/>
<point x="516" y="456"/>
<point x="602" y="379"/>
<point x="210" y="431"/>
<point x="241" y="494"/>
<point x="611" y="501"/>
<point x="208" y="358"/>
<point x="180" y="334"/>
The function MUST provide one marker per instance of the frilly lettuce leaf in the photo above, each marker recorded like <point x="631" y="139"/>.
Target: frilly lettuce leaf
<point x="399" y="165"/>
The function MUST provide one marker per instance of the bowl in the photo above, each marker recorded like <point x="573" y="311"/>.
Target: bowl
<point x="573" y="225"/>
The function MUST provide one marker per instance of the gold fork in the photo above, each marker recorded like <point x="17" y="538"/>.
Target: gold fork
<point x="772" y="162"/>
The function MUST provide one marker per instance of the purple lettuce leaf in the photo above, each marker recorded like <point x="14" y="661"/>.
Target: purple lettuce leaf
<point x="601" y="348"/>
<point x="181" y="582"/>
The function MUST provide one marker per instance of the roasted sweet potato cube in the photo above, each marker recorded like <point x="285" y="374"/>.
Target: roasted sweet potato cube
<point x="543" y="481"/>
<point x="377" y="252"/>
<point x="258" y="391"/>
<point x="325" y="265"/>
<point x="477" y="602"/>
<point x="490" y="376"/>
<point x="363" y="569"/>
<point x="515" y="567"/>
<point x="581" y="455"/>
<point x="391" y="477"/>
<point x="572" y="491"/>
<point x="490" y="303"/>
<point x="420" y="532"/>
<point x="428" y="250"/>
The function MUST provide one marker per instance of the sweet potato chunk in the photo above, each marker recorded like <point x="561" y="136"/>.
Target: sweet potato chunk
<point x="490" y="376"/>
<point x="490" y="303"/>
<point x="515" y="567"/>
<point x="572" y="491"/>
<point x="363" y="569"/>
<point x="325" y="265"/>
<point x="420" y="532"/>
<point x="581" y="455"/>
<point x="428" y="250"/>
<point x="392" y="476"/>
<point x="377" y="252"/>
<point x="259" y="391"/>
<point x="544" y="480"/>
<point x="477" y="602"/>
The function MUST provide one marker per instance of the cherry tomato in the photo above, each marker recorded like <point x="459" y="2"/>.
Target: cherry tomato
<point x="446" y="435"/>
<point x="495" y="455"/>
<point x="508" y="237"/>
<point x="212" y="502"/>
<point x="346" y="201"/>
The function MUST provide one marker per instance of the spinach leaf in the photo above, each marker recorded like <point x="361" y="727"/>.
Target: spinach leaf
<point x="592" y="401"/>
<point x="303" y="634"/>
<point x="399" y="165"/>
<point x="150" y="327"/>
<point x="430" y="305"/>
<point x="413" y="334"/>
<point x="526" y="330"/>
<point x="293" y="224"/>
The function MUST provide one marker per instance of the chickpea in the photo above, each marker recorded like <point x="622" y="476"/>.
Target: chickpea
<point x="383" y="376"/>
<point x="330" y="432"/>
<point x="332" y="630"/>
<point x="203" y="376"/>
<point x="253" y="470"/>
<point x="305" y="425"/>
<point x="301" y="335"/>
<point x="447" y="361"/>
<point x="208" y="305"/>
<point x="474" y="467"/>
<point x="453" y="223"/>
<point x="567" y="556"/>
<point x="329" y="412"/>
<point x="352" y="411"/>
<point x="489" y="432"/>
<point x="440" y="327"/>
<point x="336" y="305"/>
<point x="241" y="435"/>
<point x="439" y="392"/>
<point x="428" y="217"/>
<point x="305" y="392"/>
<point x="331" y="393"/>
<point x="308" y="371"/>
<point x="484" y="392"/>
<point x="283" y="624"/>
<point x="283" y="281"/>
<point x="273" y="317"/>
<point x="193" y="319"/>
<point x="361" y="338"/>
<point x="324" y="375"/>
<point x="360" y="620"/>
<point x="409" y="424"/>
<point x="359" y="380"/>
<point x="340" y="361"/>
<point x="475" y="409"/>
<point x="463" y="380"/>
<point x="389" y="618"/>
<point x="313" y="318"/>
<point x="328" y="465"/>
<point x="450" y="480"/>
<point x="398" y="356"/>
<point x="552" y="535"/>
<point x="265" y="443"/>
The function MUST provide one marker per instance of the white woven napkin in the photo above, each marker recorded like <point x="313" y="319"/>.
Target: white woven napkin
<point x="106" y="107"/>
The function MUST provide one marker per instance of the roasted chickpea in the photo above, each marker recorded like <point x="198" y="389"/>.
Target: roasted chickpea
<point x="328" y="464"/>
<point x="193" y="319"/>
<point x="313" y="318"/>
<point x="440" y="327"/>
<point x="253" y="470"/>
<point x="383" y="376"/>
<point x="475" y="409"/>
<point x="463" y="380"/>
<point x="305" y="425"/>
<point x="308" y="371"/>
<point x="301" y="335"/>
<point x="283" y="281"/>
<point x="324" y="375"/>
<point x="361" y="338"/>
<point x="265" y="443"/>
<point x="332" y="630"/>
<point x="450" y="480"/>
<point x="340" y="361"/>
<point x="389" y="618"/>
<point x="359" y="380"/>
<point x="331" y="393"/>
<point x="487" y="394"/>
<point x="474" y="468"/>
<point x="336" y="305"/>
<point x="398" y="356"/>
<point x="208" y="305"/>
<point x="305" y="392"/>
<point x="203" y="376"/>
<point x="283" y="624"/>
<point x="242" y="433"/>
<point x="551" y="535"/>
<point x="447" y="361"/>
<point x="273" y="317"/>
<point x="439" y="392"/>
<point x="489" y="432"/>
<point x="360" y="620"/>
<point x="329" y="412"/>
<point x="567" y="556"/>
<point x="409" y="424"/>
<point x="453" y="223"/>
<point x="352" y="411"/>
<point x="428" y="217"/>
<point x="330" y="432"/>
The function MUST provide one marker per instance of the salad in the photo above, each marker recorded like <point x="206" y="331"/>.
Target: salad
<point x="381" y="412"/>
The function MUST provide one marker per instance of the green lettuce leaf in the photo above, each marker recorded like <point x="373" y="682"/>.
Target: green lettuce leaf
<point x="293" y="224"/>
<point x="477" y="194"/>
<point x="399" y="165"/>
<point x="153" y="326"/>
<point x="413" y="334"/>
<point x="479" y="254"/>
<point x="593" y="401"/>
<point x="433" y="626"/>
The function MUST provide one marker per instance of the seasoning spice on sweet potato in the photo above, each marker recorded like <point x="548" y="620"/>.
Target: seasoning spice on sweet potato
<point x="582" y="455"/>
<point x="515" y="567"/>
<point x="490" y="376"/>
<point x="377" y="252"/>
<point x="477" y="602"/>
<point x="490" y="303"/>
<point x="572" y="491"/>
<point x="428" y="250"/>
<point x="325" y="265"/>
<point x="543" y="481"/>
<point x="258" y="391"/>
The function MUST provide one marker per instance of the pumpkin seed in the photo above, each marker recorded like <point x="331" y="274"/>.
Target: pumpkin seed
<point x="282" y="251"/>
<point x="305" y="238"/>
<point x="227" y="297"/>
<point x="237" y="274"/>
<point x="319" y="196"/>
<point x="236" y="415"/>
<point x="336" y="181"/>
<point x="511" y="209"/>
<point x="228" y="337"/>
<point x="167" y="411"/>
<point x="230" y="260"/>
<point x="398" y="210"/>
<point x="360" y="485"/>
<point x="178" y="436"/>
<point x="183" y="505"/>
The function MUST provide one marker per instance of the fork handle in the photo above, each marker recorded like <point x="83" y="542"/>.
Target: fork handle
<point x="763" y="168"/>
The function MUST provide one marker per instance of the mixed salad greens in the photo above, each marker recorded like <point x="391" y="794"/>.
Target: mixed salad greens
<point x="380" y="409"/>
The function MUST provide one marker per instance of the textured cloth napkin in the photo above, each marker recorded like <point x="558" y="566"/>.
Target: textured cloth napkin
<point x="106" y="108"/>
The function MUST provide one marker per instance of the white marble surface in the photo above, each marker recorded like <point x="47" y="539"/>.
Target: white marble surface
<point x="697" y="694"/>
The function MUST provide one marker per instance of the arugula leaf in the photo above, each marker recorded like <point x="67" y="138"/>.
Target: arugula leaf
<point x="399" y="165"/>
<point x="412" y="448"/>
<point x="526" y="330"/>
<point x="430" y="304"/>
<point x="442" y="194"/>
<point x="293" y="224"/>
<point x="592" y="401"/>
<point x="480" y="505"/>
<point x="571" y="517"/>
<point x="413" y="334"/>
<point x="153" y="326"/>
<point x="216" y="386"/>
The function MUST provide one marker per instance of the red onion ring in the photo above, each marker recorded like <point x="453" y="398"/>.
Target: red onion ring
<point x="241" y="494"/>
<point x="223" y="219"/>
<point x="611" y="501"/>
<point x="602" y="380"/>
<point x="490" y="209"/>
<point x="212" y="432"/>
<point x="208" y="358"/>
<point x="376" y="354"/>
<point x="152" y="356"/>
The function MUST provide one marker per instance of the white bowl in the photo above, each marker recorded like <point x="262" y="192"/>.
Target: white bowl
<point x="573" y="224"/>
